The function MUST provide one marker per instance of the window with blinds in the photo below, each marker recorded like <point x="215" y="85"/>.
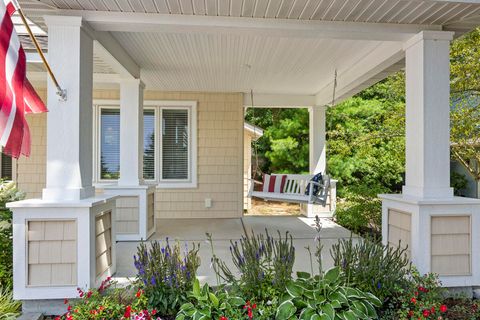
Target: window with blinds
<point x="7" y="168"/>
<point x="149" y="144"/>
<point x="175" y="144"/>
<point x="109" y="144"/>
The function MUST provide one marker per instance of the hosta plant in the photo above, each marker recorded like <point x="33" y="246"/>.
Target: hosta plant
<point x="207" y="305"/>
<point x="324" y="298"/>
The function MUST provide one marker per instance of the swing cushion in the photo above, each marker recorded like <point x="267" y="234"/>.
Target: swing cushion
<point x="274" y="183"/>
<point x="318" y="178"/>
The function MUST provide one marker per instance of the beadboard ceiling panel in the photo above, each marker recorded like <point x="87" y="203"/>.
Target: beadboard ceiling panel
<point x="206" y="62"/>
<point x="387" y="11"/>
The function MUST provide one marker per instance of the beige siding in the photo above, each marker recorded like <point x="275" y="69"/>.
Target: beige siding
<point x="399" y="229"/>
<point x="220" y="157"/>
<point x="103" y="242"/>
<point x="150" y="211"/>
<point x="451" y="245"/>
<point x="127" y="215"/>
<point x="52" y="253"/>
<point x="247" y="169"/>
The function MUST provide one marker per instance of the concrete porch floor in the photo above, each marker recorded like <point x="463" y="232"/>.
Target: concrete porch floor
<point x="223" y="230"/>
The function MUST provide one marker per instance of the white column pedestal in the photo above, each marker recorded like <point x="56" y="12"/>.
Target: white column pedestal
<point x="59" y="246"/>
<point x="443" y="236"/>
<point x="135" y="211"/>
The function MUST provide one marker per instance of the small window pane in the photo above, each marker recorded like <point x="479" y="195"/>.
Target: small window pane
<point x="175" y="142"/>
<point x="110" y="144"/>
<point x="148" y="144"/>
<point x="7" y="167"/>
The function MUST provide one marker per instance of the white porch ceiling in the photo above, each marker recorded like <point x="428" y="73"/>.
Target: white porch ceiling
<point x="386" y="11"/>
<point x="289" y="47"/>
<point x="207" y="62"/>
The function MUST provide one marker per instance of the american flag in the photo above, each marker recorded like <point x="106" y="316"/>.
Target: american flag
<point x="17" y="96"/>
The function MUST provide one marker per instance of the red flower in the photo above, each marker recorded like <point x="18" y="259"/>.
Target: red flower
<point x="139" y="293"/>
<point x="443" y="308"/>
<point x="128" y="312"/>
<point x="410" y="313"/>
<point x="65" y="301"/>
<point x="223" y="318"/>
<point x="413" y="300"/>
<point x="254" y="306"/>
<point x="154" y="312"/>
<point x="426" y="313"/>
<point x="432" y="309"/>
<point x="89" y="294"/>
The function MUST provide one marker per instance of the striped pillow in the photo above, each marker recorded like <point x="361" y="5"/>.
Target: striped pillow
<point x="274" y="183"/>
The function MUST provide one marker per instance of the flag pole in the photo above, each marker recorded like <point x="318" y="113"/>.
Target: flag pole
<point x="62" y="93"/>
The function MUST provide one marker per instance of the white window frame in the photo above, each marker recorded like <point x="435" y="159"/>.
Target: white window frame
<point x="157" y="106"/>
<point x="156" y="152"/>
<point x="98" y="105"/>
<point x="191" y="106"/>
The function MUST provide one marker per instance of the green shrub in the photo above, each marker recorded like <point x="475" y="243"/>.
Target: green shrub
<point x="371" y="266"/>
<point x="263" y="263"/>
<point x="360" y="209"/>
<point x="8" y="193"/>
<point x="325" y="298"/>
<point x="9" y="309"/>
<point x="166" y="275"/>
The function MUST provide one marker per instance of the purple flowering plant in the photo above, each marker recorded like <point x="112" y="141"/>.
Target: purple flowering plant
<point x="264" y="263"/>
<point x="166" y="272"/>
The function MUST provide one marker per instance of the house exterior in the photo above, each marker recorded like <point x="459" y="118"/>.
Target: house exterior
<point x="178" y="71"/>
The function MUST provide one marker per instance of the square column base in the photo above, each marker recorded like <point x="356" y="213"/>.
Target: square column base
<point x="440" y="235"/>
<point x="135" y="211"/>
<point x="60" y="246"/>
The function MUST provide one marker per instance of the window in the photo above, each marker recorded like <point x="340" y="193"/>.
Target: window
<point x="7" y="167"/>
<point x="169" y="143"/>
<point x="149" y="144"/>
<point x="109" y="144"/>
<point x="175" y="144"/>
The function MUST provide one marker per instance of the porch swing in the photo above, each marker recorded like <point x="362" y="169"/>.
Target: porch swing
<point x="291" y="188"/>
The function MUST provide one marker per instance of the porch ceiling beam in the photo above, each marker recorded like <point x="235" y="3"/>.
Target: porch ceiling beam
<point x="108" y="48"/>
<point x="265" y="100"/>
<point x="384" y="60"/>
<point x="151" y="22"/>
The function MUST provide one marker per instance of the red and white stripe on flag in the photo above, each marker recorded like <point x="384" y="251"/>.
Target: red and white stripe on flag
<point x="17" y="96"/>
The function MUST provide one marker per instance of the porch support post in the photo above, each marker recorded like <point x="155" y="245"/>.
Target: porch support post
<point x="318" y="160"/>
<point x="439" y="232"/>
<point x="69" y="130"/>
<point x="131" y="132"/>
<point x="428" y="115"/>
<point x="317" y="139"/>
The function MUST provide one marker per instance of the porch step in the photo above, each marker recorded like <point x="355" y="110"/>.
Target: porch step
<point x="31" y="316"/>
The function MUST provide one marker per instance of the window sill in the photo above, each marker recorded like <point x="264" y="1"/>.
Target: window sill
<point x="177" y="185"/>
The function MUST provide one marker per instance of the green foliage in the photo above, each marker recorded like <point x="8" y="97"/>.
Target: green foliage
<point x="284" y="145"/>
<point x="9" y="308"/>
<point x="365" y="142"/>
<point x="264" y="263"/>
<point x="207" y="305"/>
<point x="166" y="275"/>
<point x="360" y="209"/>
<point x="325" y="298"/>
<point x="458" y="182"/>
<point x="371" y="266"/>
<point x="8" y="193"/>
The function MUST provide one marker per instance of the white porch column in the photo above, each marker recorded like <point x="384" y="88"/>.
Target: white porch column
<point x="131" y="132"/>
<point x="428" y="115"/>
<point x="317" y="139"/>
<point x="69" y="129"/>
<point x="440" y="232"/>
